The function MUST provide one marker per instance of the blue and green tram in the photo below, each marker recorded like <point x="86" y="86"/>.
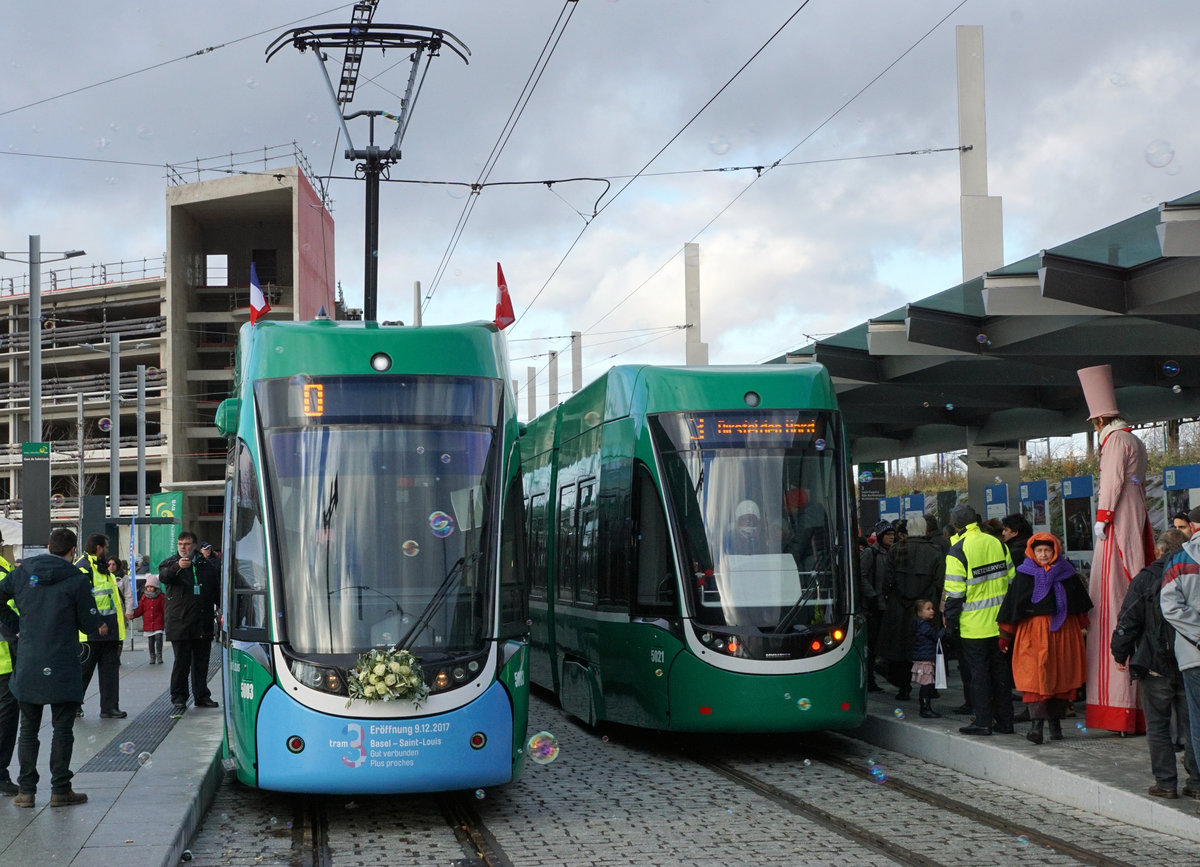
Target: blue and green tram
<point x="373" y="503"/>
<point x="691" y="551"/>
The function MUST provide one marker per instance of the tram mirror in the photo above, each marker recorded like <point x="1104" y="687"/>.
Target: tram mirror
<point x="227" y="416"/>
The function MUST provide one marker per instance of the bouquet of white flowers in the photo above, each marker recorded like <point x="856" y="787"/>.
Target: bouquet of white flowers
<point x="387" y="675"/>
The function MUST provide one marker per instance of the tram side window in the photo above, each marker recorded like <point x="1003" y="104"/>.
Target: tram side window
<point x="655" y="575"/>
<point x="537" y="544"/>
<point x="615" y="541"/>
<point x="247" y="559"/>
<point x="587" y="543"/>
<point x="513" y="574"/>
<point x="565" y="573"/>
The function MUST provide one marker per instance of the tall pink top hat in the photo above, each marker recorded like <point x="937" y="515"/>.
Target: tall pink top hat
<point x="1097" y="385"/>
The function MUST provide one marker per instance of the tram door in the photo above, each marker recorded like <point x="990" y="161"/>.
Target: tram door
<point x="653" y="607"/>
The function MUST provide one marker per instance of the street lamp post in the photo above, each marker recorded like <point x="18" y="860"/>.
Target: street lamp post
<point x="36" y="261"/>
<point x="35" y="499"/>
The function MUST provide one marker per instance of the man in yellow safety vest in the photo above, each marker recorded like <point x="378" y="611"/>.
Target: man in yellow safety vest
<point x="103" y="652"/>
<point x="978" y="571"/>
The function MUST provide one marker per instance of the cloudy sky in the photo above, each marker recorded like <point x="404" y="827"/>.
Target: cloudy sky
<point x="1090" y="114"/>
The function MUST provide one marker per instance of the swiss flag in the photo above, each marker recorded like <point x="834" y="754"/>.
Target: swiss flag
<point x="258" y="301"/>
<point x="504" y="308"/>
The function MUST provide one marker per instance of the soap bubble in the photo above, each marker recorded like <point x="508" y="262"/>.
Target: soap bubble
<point x="982" y="339"/>
<point x="543" y="748"/>
<point x="604" y="738"/>
<point x="480" y="794"/>
<point x="803" y="703"/>
<point x="57" y="500"/>
<point x="787" y="696"/>
<point x="1023" y="840"/>
<point x="441" y="524"/>
<point x="879" y="775"/>
<point x="807" y="762"/>
<point x="950" y="407"/>
<point x="445" y="459"/>
<point x="925" y="404"/>
<point x="819" y="444"/>
<point x="420" y="450"/>
<point x="411" y="548"/>
<point x="898" y="713"/>
<point x="46" y="671"/>
<point x="720" y="145"/>
<point x="127" y="748"/>
<point x="1177" y="388"/>
<point x="33" y="580"/>
<point x="105" y="424"/>
<point x="144" y="759"/>
<point x="1159" y="153"/>
<point x="1170" y="368"/>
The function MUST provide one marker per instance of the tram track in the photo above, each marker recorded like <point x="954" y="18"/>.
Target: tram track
<point x="879" y="842"/>
<point x="481" y="847"/>
<point x="310" y="833"/>
<point x="311" y="843"/>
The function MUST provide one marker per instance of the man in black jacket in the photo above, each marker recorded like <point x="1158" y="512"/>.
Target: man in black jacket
<point x="1143" y="644"/>
<point x="55" y="601"/>
<point x="191" y="586"/>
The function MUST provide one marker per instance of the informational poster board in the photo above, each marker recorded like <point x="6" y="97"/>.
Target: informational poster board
<point x="1181" y="489"/>
<point x="889" y="509"/>
<point x="1077" y="494"/>
<point x="995" y="498"/>
<point x="872" y="485"/>
<point x="1034" y="497"/>
<point x="912" y="504"/>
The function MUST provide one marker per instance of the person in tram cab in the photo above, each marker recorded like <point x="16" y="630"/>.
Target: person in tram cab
<point x="748" y="536"/>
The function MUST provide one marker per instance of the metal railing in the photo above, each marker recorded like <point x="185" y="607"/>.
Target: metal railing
<point x="82" y="276"/>
<point x="57" y="336"/>
<point x="249" y="163"/>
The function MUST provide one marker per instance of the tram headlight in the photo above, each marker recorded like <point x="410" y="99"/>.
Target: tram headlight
<point x="322" y="677"/>
<point x="441" y="681"/>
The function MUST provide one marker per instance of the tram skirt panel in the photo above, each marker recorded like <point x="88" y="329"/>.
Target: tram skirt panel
<point x="349" y="755"/>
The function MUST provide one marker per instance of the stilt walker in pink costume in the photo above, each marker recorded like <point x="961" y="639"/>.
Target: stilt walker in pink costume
<point x="1124" y="544"/>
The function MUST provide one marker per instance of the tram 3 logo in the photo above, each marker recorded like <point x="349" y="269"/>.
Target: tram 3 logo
<point x="356" y="756"/>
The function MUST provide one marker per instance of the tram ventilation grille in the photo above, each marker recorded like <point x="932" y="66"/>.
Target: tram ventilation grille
<point x="145" y="733"/>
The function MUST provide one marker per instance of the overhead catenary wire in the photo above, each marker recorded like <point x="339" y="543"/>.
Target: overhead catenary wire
<point x="198" y="53"/>
<point x="657" y="154"/>
<point x="514" y="116"/>
<point x="777" y="163"/>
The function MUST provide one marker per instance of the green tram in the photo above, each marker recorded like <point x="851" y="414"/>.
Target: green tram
<point x="691" y="551"/>
<point x="373" y="503"/>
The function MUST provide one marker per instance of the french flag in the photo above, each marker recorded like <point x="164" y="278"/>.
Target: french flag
<point x="259" y="306"/>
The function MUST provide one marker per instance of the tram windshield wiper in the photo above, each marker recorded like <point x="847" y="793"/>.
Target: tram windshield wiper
<point x="785" y="624"/>
<point x="360" y="588"/>
<point x="436" y="601"/>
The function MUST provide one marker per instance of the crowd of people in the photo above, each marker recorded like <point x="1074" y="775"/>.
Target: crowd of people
<point x="63" y="618"/>
<point x="1017" y="615"/>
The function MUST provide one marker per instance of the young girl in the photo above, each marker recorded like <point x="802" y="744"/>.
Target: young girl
<point x="153" y="607"/>
<point x="925" y="639"/>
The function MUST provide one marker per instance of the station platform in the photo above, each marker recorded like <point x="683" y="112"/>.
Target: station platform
<point x="150" y="778"/>
<point x="1098" y="771"/>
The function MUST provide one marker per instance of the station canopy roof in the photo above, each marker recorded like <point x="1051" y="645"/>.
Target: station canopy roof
<point x="992" y="361"/>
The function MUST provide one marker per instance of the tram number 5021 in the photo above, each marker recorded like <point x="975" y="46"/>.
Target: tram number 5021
<point x="658" y="656"/>
<point x="247" y="691"/>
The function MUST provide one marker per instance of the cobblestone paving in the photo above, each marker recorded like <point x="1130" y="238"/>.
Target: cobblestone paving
<point x="633" y="798"/>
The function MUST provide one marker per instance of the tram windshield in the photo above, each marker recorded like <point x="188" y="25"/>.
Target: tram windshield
<point x="754" y="495"/>
<point x="382" y="509"/>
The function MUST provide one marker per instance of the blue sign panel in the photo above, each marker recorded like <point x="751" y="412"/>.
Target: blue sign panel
<point x="1181" y="478"/>
<point x="914" y="504"/>
<point x="889" y="509"/>
<point x="1077" y="488"/>
<point x="1031" y="492"/>
<point x="996" y="499"/>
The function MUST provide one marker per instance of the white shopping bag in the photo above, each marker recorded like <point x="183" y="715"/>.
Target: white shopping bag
<point x="939" y="668"/>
